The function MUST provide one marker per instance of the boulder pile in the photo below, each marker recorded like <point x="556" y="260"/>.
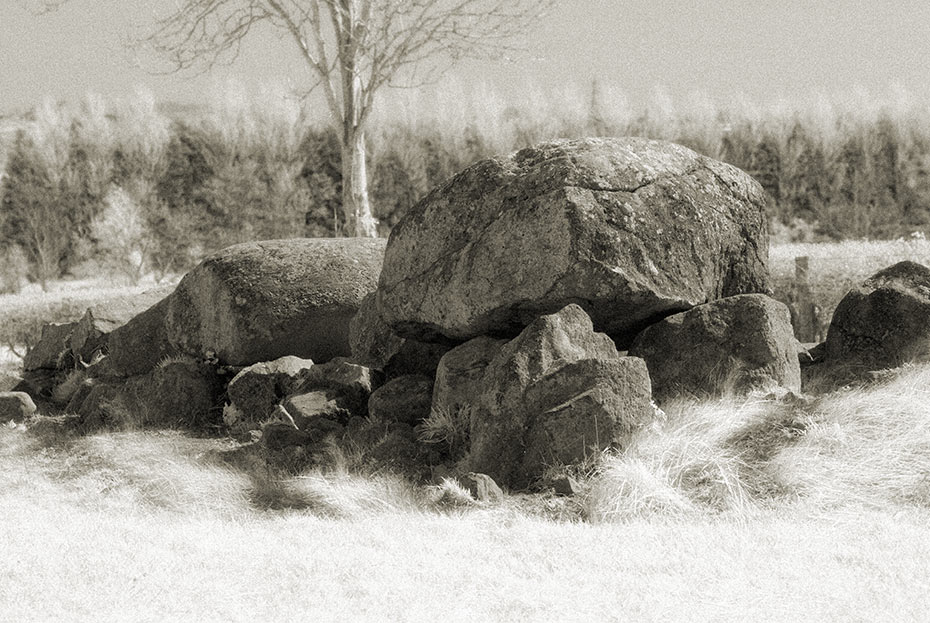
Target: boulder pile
<point x="486" y="339"/>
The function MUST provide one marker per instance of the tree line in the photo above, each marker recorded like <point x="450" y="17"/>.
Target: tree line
<point x="140" y="191"/>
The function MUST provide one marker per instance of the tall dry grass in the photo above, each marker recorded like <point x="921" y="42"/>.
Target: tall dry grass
<point x="854" y="449"/>
<point x="735" y="510"/>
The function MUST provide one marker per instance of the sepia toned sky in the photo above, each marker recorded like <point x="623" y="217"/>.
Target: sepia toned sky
<point x="760" y="49"/>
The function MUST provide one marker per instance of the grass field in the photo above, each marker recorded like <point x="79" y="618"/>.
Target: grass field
<point x="732" y="510"/>
<point x="144" y="527"/>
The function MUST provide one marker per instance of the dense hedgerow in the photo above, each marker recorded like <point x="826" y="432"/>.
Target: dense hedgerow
<point x="247" y="168"/>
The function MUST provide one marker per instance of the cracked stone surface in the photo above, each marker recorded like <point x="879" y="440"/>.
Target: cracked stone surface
<point x="632" y="230"/>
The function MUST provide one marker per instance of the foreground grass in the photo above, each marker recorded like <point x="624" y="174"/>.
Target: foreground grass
<point x="146" y="526"/>
<point x="727" y="510"/>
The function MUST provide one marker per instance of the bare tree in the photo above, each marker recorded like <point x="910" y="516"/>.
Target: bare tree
<point x="352" y="49"/>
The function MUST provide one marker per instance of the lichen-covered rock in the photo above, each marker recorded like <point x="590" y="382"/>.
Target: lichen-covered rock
<point x="259" y="301"/>
<point x="582" y="409"/>
<point x="306" y="407"/>
<point x="403" y="399"/>
<point x="630" y="229"/>
<point x="257" y="389"/>
<point x="500" y="418"/>
<point x="885" y="322"/>
<point x="16" y="407"/>
<point x="734" y="345"/>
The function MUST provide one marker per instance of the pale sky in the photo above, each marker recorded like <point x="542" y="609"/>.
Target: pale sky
<point x="761" y="49"/>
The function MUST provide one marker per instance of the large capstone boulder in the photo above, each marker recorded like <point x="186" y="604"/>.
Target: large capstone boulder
<point x="630" y="229"/>
<point x="735" y="345"/>
<point x="262" y="300"/>
<point x="514" y="408"/>
<point x="885" y="322"/>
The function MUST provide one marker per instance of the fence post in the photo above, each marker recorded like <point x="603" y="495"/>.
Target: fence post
<point x="804" y="311"/>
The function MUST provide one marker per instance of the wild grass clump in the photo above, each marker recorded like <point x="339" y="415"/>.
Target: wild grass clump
<point x="866" y="446"/>
<point x="701" y="457"/>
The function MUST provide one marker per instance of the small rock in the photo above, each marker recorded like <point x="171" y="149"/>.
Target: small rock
<point x="256" y="389"/>
<point x="483" y="488"/>
<point x="312" y="405"/>
<point x="351" y="381"/>
<point x="404" y="399"/>
<point x="566" y="485"/>
<point x="16" y="407"/>
<point x="277" y="437"/>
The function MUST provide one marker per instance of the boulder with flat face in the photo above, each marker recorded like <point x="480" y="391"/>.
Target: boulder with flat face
<point x="258" y="301"/>
<point x="581" y="410"/>
<point x="555" y="393"/>
<point x="630" y="229"/>
<point x="734" y="345"/>
<point x="139" y="345"/>
<point x="885" y="322"/>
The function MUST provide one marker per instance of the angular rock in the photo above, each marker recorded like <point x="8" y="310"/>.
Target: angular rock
<point x="885" y="322"/>
<point x="349" y="380"/>
<point x="403" y="399"/>
<point x="88" y="338"/>
<point x="16" y="407"/>
<point x="52" y="351"/>
<point x="138" y="346"/>
<point x="91" y="333"/>
<point x="483" y="488"/>
<point x="257" y="389"/>
<point x="631" y="229"/>
<point x="307" y="407"/>
<point x="459" y="376"/>
<point x="566" y="485"/>
<point x="582" y="409"/>
<point x="735" y="345"/>
<point x="499" y="416"/>
<point x="262" y="300"/>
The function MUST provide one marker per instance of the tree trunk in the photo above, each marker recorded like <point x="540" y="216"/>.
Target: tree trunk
<point x="355" y="205"/>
